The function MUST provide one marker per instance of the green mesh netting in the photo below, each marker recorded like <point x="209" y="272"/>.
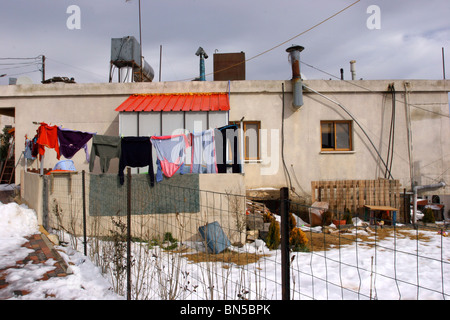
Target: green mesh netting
<point x="107" y="197"/>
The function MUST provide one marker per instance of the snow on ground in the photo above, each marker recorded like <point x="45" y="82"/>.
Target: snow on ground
<point x="85" y="282"/>
<point x="417" y="271"/>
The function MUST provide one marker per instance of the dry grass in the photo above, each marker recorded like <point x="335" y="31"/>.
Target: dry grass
<point x="317" y="242"/>
<point x="226" y="256"/>
<point x="364" y="236"/>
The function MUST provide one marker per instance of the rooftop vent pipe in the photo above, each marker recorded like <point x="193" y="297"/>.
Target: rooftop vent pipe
<point x="202" y="54"/>
<point x="297" y="87"/>
<point x="352" y="69"/>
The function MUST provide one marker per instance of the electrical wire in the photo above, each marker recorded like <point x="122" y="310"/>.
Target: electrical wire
<point x="93" y="73"/>
<point x="393" y="126"/>
<point x="390" y="151"/>
<point x="356" y="121"/>
<point x="353" y="83"/>
<point x="19" y="65"/>
<point x="25" y="72"/>
<point x="284" y="42"/>
<point x="38" y="57"/>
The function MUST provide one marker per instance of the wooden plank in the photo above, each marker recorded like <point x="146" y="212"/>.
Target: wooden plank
<point x="330" y="195"/>
<point x="371" y="192"/>
<point x="361" y="197"/>
<point x="354" y="197"/>
<point x="387" y="191"/>
<point x="382" y="208"/>
<point x="339" y="196"/>
<point x="377" y="191"/>
<point x="346" y="195"/>
<point x="396" y="191"/>
<point x="313" y="192"/>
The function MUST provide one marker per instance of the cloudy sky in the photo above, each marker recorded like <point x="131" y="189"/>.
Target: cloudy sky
<point x="406" y="42"/>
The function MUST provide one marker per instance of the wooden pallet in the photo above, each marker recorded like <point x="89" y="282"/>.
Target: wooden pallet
<point x="353" y="195"/>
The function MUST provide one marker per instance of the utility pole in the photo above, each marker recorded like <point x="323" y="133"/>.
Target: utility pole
<point x="43" y="68"/>
<point x="160" y="58"/>
<point x="140" y="42"/>
<point x="285" y="256"/>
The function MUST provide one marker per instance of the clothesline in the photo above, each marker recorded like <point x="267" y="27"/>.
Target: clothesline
<point x="208" y="150"/>
<point x="66" y="142"/>
<point x="170" y="153"/>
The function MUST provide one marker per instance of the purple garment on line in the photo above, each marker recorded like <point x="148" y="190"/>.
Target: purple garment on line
<point x="71" y="141"/>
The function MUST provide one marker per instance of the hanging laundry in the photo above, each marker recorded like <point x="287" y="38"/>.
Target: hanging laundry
<point x="29" y="145"/>
<point x="223" y="135"/>
<point x="106" y="148"/>
<point x="47" y="136"/>
<point x="170" y="151"/>
<point x="159" y="173"/>
<point x="136" y="152"/>
<point x="71" y="141"/>
<point x="203" y="151"/>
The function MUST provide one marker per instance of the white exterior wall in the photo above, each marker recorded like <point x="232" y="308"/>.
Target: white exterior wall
<point x="427" y="111"/>
<point x="370" y="103"/>
<point x="90" y="107"/>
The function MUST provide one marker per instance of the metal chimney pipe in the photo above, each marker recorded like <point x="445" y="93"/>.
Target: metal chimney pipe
<point x="297" y="87"/>
<point x="202" y="54"/>
<point x="352" y="69"/>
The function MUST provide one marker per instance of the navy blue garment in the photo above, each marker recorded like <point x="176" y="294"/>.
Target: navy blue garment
<point x="221" y="136"/>
<point x="136" y="152"/>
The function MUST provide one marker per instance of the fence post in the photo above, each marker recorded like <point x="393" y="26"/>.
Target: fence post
<point x="285" y="260"/>
<point x="83" y="184"/>
<point x="45" y="204"/>
<point x="128" y="233"/>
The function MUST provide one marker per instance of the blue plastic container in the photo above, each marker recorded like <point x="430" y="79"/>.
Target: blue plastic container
<point x="216" y="239"/>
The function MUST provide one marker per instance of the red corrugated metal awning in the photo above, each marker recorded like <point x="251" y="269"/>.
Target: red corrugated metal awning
<point x="176" y="102"/>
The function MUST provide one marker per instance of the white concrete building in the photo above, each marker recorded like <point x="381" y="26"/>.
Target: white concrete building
<point x="343" y="130"/>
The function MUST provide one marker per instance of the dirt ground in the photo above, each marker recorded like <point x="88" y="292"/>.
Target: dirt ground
<point x="226" y="256"/>
<point x="7" y="196"/>
<point x="367" y="236"/>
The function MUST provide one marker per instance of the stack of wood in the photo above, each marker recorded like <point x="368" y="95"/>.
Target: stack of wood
<point x="255" y="213"/>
